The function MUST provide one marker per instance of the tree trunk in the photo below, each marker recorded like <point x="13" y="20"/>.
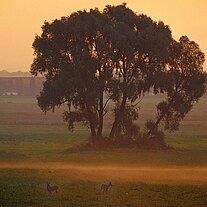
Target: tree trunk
<point x="92" y="127"/>
<point x="177" y="91"/>
<point x="118" y="117"/>
<point x="101" y="116"/>
<point x="162" y="116"/>
<point x="156" y="123"/>
<point x="93" y="134"/>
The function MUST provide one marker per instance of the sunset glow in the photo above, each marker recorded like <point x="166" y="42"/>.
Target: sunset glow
<point x="20" y="20"/>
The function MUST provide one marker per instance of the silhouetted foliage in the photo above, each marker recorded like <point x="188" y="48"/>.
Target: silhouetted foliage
<point x="141" y="50"/>
<point x="185" y="83"/>
<point x="92" y="58"/>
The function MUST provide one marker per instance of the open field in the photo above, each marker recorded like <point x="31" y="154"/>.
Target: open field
<point x="24" y="110"/>
<point x="49" y="143"/>
<point x="28" y="188"/>
<point x="33" y="151"/>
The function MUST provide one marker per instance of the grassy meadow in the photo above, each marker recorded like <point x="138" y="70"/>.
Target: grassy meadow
<point x="33" y="151"/>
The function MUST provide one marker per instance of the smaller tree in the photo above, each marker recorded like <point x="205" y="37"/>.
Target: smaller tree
<point x="184" y="83"/>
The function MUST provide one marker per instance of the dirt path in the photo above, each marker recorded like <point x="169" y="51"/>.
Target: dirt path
<point x="163" y="175"/>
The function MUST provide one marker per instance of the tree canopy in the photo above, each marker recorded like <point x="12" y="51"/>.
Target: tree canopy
<point x="93" y="58"/>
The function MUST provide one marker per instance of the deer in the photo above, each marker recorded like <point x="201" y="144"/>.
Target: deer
<point x="51" y="188"/>
<point x="105" y="187"/>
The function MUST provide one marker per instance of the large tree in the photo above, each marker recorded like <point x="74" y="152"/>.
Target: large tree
<point x="91" y="58"/>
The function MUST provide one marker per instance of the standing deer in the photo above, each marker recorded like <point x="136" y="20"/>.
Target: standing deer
<point x="52" y="188"/>
<point x="105" y="187"/>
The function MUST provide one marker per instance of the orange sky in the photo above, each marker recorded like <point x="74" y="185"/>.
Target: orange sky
<point x="20" y="20"/>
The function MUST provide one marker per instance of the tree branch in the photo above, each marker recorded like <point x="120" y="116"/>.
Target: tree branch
<point x="107" y="101"/>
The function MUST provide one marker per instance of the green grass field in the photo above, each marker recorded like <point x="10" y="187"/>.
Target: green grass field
<point x="29" y="137"/>
<point x="27" y="188"/>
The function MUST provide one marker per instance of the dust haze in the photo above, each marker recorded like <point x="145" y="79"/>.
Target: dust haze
<point x="157" y="175"/>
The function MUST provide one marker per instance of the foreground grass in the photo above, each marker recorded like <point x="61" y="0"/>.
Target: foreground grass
<point x="28" y="188"/>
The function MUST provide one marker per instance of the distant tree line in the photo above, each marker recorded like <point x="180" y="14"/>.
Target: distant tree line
<point x="91" y="58"/>
<point x="5" y="73"/>
<point x="21" y="86"/>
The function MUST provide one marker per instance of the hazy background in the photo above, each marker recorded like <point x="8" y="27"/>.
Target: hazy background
<point x="20" y="20"/>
